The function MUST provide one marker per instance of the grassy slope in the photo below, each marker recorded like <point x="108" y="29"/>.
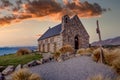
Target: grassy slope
<point x="13" y="59"/>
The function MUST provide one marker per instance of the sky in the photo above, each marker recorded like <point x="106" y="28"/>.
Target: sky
<point x="24" y="23"/>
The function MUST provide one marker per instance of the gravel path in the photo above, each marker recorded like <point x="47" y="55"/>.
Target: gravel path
<point x="79" y="68"/>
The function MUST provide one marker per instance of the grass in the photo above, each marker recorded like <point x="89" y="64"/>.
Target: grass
<point x="112" y="58"/>
<point x="101" y="77"/>
<point x="13" y="59"/>
<point x="25" y="74"/>
<point x="97" y="77"/>
<point x="96" y="54"/>
<point x="56" y="54"/>
<point x="66" y="48"/>
<point x="84" y="51"/>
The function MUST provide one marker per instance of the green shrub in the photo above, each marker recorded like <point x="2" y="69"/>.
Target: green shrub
<point x="24" y="74"/>
<point x="23" y="51"/>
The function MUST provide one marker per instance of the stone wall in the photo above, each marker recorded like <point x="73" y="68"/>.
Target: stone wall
<point x="51" y="44"/>
<point x="72" y="28"/>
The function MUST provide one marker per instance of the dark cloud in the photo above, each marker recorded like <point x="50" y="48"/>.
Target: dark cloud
<point x="43" y="7"/>
<point x="26" y="9"/>
<point x="5" y="3"/>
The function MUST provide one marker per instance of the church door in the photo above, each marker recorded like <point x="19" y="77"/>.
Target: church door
<point x="76" y="42"/>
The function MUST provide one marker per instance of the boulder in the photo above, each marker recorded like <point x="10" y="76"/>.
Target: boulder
<point x="60" y="59"/>
<point x="25" y="66"/>
<point x="45" y="60"/>
<point x="77" y="55"/>
<point x="38" y="62"/>
<point x="8" y="70"/>
<point x="64" y="57"/>
<point x="2" y="68"/>
<point x="32" y="63"/>
<point x="18" y="67"/>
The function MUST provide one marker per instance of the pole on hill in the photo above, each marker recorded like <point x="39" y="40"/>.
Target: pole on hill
<point x="102" y="59"/>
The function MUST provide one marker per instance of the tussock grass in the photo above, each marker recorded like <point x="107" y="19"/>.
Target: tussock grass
<point x="96" y="54"/>
<point x="101" y="77"/>
<point x="25" y="74"/>
<point x="116" y="65"/>
<point x="66" y="48"/>
<point x="23" y="51"/>
<point x="56" y="54"/>
<point x="84" y="51"/>
<point x="97" y="77"/>
<point x="81" y="51"/>
<point x="89" y="50"/>
<point x="112" y="58"/>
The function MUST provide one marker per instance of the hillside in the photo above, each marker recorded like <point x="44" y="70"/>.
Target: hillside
<point x="111" y="41"/>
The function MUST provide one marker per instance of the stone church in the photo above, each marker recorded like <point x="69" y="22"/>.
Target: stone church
<point x="70" y="32"/>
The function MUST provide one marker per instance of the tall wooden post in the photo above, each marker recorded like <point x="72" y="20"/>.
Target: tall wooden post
<point x="102" y="59"/>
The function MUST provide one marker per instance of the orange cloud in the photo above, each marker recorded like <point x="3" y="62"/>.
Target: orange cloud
<point x="27" y="9"/>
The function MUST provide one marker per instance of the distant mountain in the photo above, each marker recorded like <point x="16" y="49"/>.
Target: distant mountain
<point x="112" y="41"/>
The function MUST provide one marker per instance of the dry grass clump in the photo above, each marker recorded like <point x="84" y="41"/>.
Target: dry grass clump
<point x="23" y="51"/>
<point x="115" y="62"/>
<point x="56" y="54"/>
<point x="116" y="65"/>
<point x="81" y="51"/>
<point x="66" y="48"/>
<point x="97" y="77"/>
<point x="101" y="77"/>
<point x="96" y="54"/>
<point x="24" y="74"/>
<point x="112" y="58"/>
<point x="84" y="51"/>
<point x="89" y="50"/>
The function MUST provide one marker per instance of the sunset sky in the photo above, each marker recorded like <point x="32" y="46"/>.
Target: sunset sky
<point x="23" y="22"/>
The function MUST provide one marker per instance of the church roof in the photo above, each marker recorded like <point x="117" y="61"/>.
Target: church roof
<point x="56" y="30"/>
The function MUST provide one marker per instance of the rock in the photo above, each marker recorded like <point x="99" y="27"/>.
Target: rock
<point x="18" y="67"/>
<point x="77" y="55"/>
<point x="25" y="66"/>
<point x="51" y="57"/>
<point x="2" y="68"/>
<point x="45" y="60"/>
<point x="60" y="59"/>
<point x="64" y="57"/>
<point x="38" y="62"/>
<point x="41" y="60"/>
<point x="8" y="70"/>
<point x="32" y="63"/>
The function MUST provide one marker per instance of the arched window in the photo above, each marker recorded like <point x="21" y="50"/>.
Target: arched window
<point x="66" y="20"/>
